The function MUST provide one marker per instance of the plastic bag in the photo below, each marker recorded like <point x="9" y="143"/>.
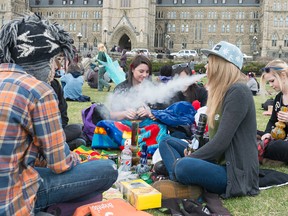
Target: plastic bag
<point x="114" y="70"/>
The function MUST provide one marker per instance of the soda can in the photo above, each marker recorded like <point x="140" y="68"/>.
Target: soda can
<point x="114" y="157"/>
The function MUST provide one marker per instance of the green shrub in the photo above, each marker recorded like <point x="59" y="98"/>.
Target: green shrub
<point x="254" y="67"/>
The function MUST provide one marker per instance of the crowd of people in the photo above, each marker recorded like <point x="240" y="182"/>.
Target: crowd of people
<point x="37" y="141"/>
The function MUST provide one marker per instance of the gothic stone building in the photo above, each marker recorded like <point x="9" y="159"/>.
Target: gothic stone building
<point x="257" y="27"/>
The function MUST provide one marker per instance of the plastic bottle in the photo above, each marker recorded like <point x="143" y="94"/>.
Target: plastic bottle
<point x="126" y="159"/>
<point x="143" y="157"/>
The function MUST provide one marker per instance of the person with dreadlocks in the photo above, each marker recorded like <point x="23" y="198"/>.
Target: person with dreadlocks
<point x="30" y="124"/>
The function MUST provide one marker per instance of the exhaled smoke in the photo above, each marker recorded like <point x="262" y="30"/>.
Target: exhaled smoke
<point x="148" y="92"/>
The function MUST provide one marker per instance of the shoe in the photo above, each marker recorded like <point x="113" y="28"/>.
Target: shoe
<point x="155" y="177"/>
<point x="171" y="189"/>
<point x="76" y="143"/>
<point x="270" y="162"/>
<point x="108" y="89"/>
<point x="160" y="168"/>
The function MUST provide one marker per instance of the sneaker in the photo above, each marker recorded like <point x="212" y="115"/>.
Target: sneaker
<point x="171" y="189"/>
<point x="155" y="177"/>
<point x="160" y="168"/>
<point x="76" y="143"/>
<point x="269" y="162"/>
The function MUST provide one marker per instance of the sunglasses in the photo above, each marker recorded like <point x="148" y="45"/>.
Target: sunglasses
<point x="183" y="65"/>
<point x="268" y="69"/>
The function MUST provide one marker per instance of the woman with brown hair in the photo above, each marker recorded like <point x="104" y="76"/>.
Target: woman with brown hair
<point x="139" y="70"/>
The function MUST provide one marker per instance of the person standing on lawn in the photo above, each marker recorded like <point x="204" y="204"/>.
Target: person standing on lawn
<point x="102" y="57"/>
<point x="31" y="127"/>
<point x="228" y="163"/>
<point x="276" y="74"/>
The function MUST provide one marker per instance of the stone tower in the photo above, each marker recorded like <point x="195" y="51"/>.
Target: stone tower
<point x="9" y="9"/>
<point x="274" y="26"/>
<point x="132" y="24"/>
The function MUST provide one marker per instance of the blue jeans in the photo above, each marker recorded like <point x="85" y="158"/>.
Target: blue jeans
<point x="80" y="183"/>
<point x="188" y="170"/>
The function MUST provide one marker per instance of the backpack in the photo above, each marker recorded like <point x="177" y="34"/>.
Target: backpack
<point x="258" y="85"/>
<point x="268" y="102"/>
<point x="91" y="116"/>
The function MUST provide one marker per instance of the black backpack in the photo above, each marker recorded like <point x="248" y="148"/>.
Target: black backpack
<point x="268" y="102"/>
<point x="258" y="85"/>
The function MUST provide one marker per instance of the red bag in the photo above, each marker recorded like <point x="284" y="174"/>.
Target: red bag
<point x="115" y="207"/>
<point x="261" y="148"/>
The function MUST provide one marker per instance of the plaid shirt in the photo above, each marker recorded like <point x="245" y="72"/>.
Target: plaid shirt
<point x="29" y="121"/>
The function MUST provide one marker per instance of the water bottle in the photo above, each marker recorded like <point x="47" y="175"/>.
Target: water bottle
<point x="126" y="159"/>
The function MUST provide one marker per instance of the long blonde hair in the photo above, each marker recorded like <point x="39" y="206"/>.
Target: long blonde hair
<point x="101" y="47"/>
<point x="277" y="63"/>
<point x="221" y="75"/>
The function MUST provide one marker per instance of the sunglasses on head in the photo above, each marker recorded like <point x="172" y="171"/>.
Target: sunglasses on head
<point x="183" y="65"/>
<point x="268" y="69"/>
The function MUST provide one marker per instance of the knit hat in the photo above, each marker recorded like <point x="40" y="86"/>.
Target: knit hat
<point x="31" y="42"/>
<point x="227" y="51"/>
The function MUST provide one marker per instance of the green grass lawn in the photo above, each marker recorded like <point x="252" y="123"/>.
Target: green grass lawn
<point x="268" y="202"/>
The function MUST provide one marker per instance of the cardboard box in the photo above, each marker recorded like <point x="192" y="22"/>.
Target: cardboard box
<point x="140" y="194"/>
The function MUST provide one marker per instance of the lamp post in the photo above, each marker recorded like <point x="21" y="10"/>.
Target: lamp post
<point x="105" y="37"/>
<point x="79" y="36"/>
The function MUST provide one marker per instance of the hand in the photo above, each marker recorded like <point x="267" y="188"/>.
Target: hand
<point x="144" y="111"/>
<point x="186" y="153"/>
<point x="130" y="114"/>
<point x="266" y="136"/>
<point x="282" y="116"/>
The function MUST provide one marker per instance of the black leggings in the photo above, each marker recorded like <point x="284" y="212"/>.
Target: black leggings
<point x="277" y="150"/>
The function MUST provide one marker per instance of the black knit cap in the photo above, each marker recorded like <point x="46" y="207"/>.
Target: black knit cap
<point x="31" y="42"/>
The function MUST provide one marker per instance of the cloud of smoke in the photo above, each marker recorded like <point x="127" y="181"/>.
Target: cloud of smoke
<point x="151" y="93"/>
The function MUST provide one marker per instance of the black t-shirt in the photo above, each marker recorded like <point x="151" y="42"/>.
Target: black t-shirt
<point x="278" y="103"/>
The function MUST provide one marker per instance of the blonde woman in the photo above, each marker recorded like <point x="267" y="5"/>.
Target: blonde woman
<point x="228" y="163"/>
<point x="276" y="74"/>
<point x="102" y="57"/>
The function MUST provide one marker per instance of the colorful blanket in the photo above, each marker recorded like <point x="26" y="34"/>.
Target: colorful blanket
<point x="113" y="134"/>
<point x="87" y="154"/>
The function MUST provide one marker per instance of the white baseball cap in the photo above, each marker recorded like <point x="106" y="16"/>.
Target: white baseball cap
<point x="227" y="51"/>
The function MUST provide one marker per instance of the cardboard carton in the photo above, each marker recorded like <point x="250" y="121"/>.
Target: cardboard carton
<point x="140" y="194"/>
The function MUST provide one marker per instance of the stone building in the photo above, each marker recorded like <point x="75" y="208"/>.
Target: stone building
<point x="257" y="27"/>
<point x="10" y="9"/>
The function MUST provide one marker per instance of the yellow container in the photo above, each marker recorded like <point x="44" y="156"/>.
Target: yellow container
<point x="140" y="194"/>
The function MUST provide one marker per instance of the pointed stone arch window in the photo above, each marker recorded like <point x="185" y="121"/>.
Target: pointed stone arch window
<point x="239" y="43"/>
<point x="159" y="38"/>
<point x="125" y="3"/>
<point x="274" y="40"/>
<point x="286" y="40"/>
<point x="211" y="43"/>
